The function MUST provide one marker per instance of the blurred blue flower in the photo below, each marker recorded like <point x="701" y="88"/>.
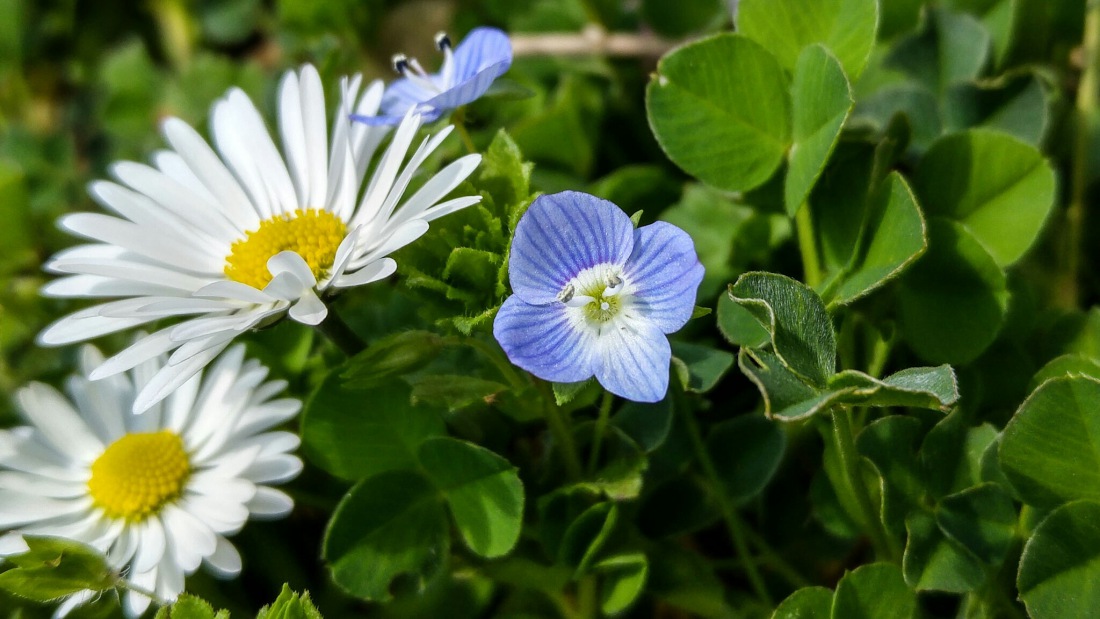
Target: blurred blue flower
<point x="467" y="72"/>
<point x="595" y="297"/>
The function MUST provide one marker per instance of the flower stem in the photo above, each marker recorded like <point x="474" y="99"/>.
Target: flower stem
<point x="1088" y="99"/>
<point x="559" y="428"/>
<point x="734" y="525"/>
<point x="126" y="585"/>
<point x="339" y="333"/>
<point x="844" y="439"/>
<point x="459" y="120"/>
<point x="495" y="356"/>
<point x="601" y="429"/>
<point x="586" y="597"/>
<point x="807" y="246"/>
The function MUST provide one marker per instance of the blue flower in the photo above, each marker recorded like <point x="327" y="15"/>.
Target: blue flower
<point x="595" y="297"/>
<point x="467" y="72"/>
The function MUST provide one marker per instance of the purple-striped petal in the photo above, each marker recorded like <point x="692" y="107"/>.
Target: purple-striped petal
<point x="633" y="360"/>
<point x="666" y="273"/>
<point x="483" y="49"/>
<point x="542" y="340"/>
<point x="483" y="56"/>
<point x="561" y="235"/>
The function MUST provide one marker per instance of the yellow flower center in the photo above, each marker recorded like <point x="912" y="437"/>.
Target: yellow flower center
<point x="313" y="234"/>
<point x="138" y="474"/>
<point x="602" y="308"/>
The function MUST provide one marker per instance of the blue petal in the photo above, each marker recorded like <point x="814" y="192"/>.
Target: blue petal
<point x="665" y="273"/>
<point x="465" y="92"/>
<point x="481" y="50"/>
<point x="484" y="55"/>
<point x="633" y="361"/>
<point x="561" y="235"/>
<point x="403" y="94"/>
<point x="542" y="340"/>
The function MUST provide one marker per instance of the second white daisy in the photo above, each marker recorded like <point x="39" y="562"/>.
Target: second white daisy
<point x="157" y="493"/>
<point x="237" y="238"/>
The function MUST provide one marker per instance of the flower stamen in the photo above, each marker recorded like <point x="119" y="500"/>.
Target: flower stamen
<point x="139" y="474"/>
<point x="313" y="234"/>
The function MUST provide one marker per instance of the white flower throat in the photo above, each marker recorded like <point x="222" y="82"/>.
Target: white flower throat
<point x="598" y="293"/>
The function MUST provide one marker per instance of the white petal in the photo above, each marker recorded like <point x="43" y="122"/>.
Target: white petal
<point x="12" y="544"/>
<point x="343" y="255"/>
<point x="225" y="518"/>
<point x="383" y="177"/>
<point x="229" y="489"/>
<point x="274" y="470"/>
<point x="313" y="119"/>
<point x="229" y="289"/>
<point x="374" y="271"/>
<point x="194" y="207"/>
<point x="190" y="538"/>
<point x="438" y="186"/>
<point x="97" y="286"/>
<point x="59" y="424"/>
<point x="268" y="161"/>
<point x="225" y="561"/>
<point x="236" y="150"/>
<point x="366" y="138"/>
<point x="85" y="325"/>
<point x="71" y="602"/>
<point x="270" y="414"/>
<point x="401" y="237"/>
<point x="150" y="547"/>
<point x="294" y="134"/>
<point x="171" y="377"/>
<point x="134" y="604"/>
<point x="270" y="503"/>
<point x="142" y="350"/>
<point x="291" y="262"/>
<point x="213" y="174"/>
<point x="30" y="484"/>
<point x="309" y="310"/>
<point x="170" y="577"/>
<point x="153" y="243"/>
<point x="448" y="207"/>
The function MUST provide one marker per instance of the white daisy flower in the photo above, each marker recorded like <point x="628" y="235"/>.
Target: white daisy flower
<point x="157" y="493"/>
<point x="237" y="238"/>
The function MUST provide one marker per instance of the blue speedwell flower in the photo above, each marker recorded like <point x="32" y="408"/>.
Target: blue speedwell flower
<point x="467" y="72"/>
<point x="595" y="297"/>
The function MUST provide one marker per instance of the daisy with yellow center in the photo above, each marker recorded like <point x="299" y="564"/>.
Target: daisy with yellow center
<point x="236" y="236"/>
<point x="157" y="493"/>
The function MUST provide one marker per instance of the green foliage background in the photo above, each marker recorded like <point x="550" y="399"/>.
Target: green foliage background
<point x="892" y="201"/>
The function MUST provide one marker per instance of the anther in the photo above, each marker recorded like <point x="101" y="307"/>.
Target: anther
<point x="442" y="41"/>
<point x="566" y="294"/>
<point x="400" y="63"/>
<point x="613" y="280"/>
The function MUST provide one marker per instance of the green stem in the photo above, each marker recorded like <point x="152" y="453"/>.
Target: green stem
<point x="459" y="120"/>
<point x="844" y="437"/>
<point x="339" y="333"/>
<point x="807" y="245"/>
<point x="559" y="428"/>
<point x="769" y="556"/>
<point x="496" y="357"/>
<point x="733" y="522"/>
<point x="1088" y="97"/>
<point x="126" y="585"/>
<point x="586" y="598"/>
<point x="601" y="429"/>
